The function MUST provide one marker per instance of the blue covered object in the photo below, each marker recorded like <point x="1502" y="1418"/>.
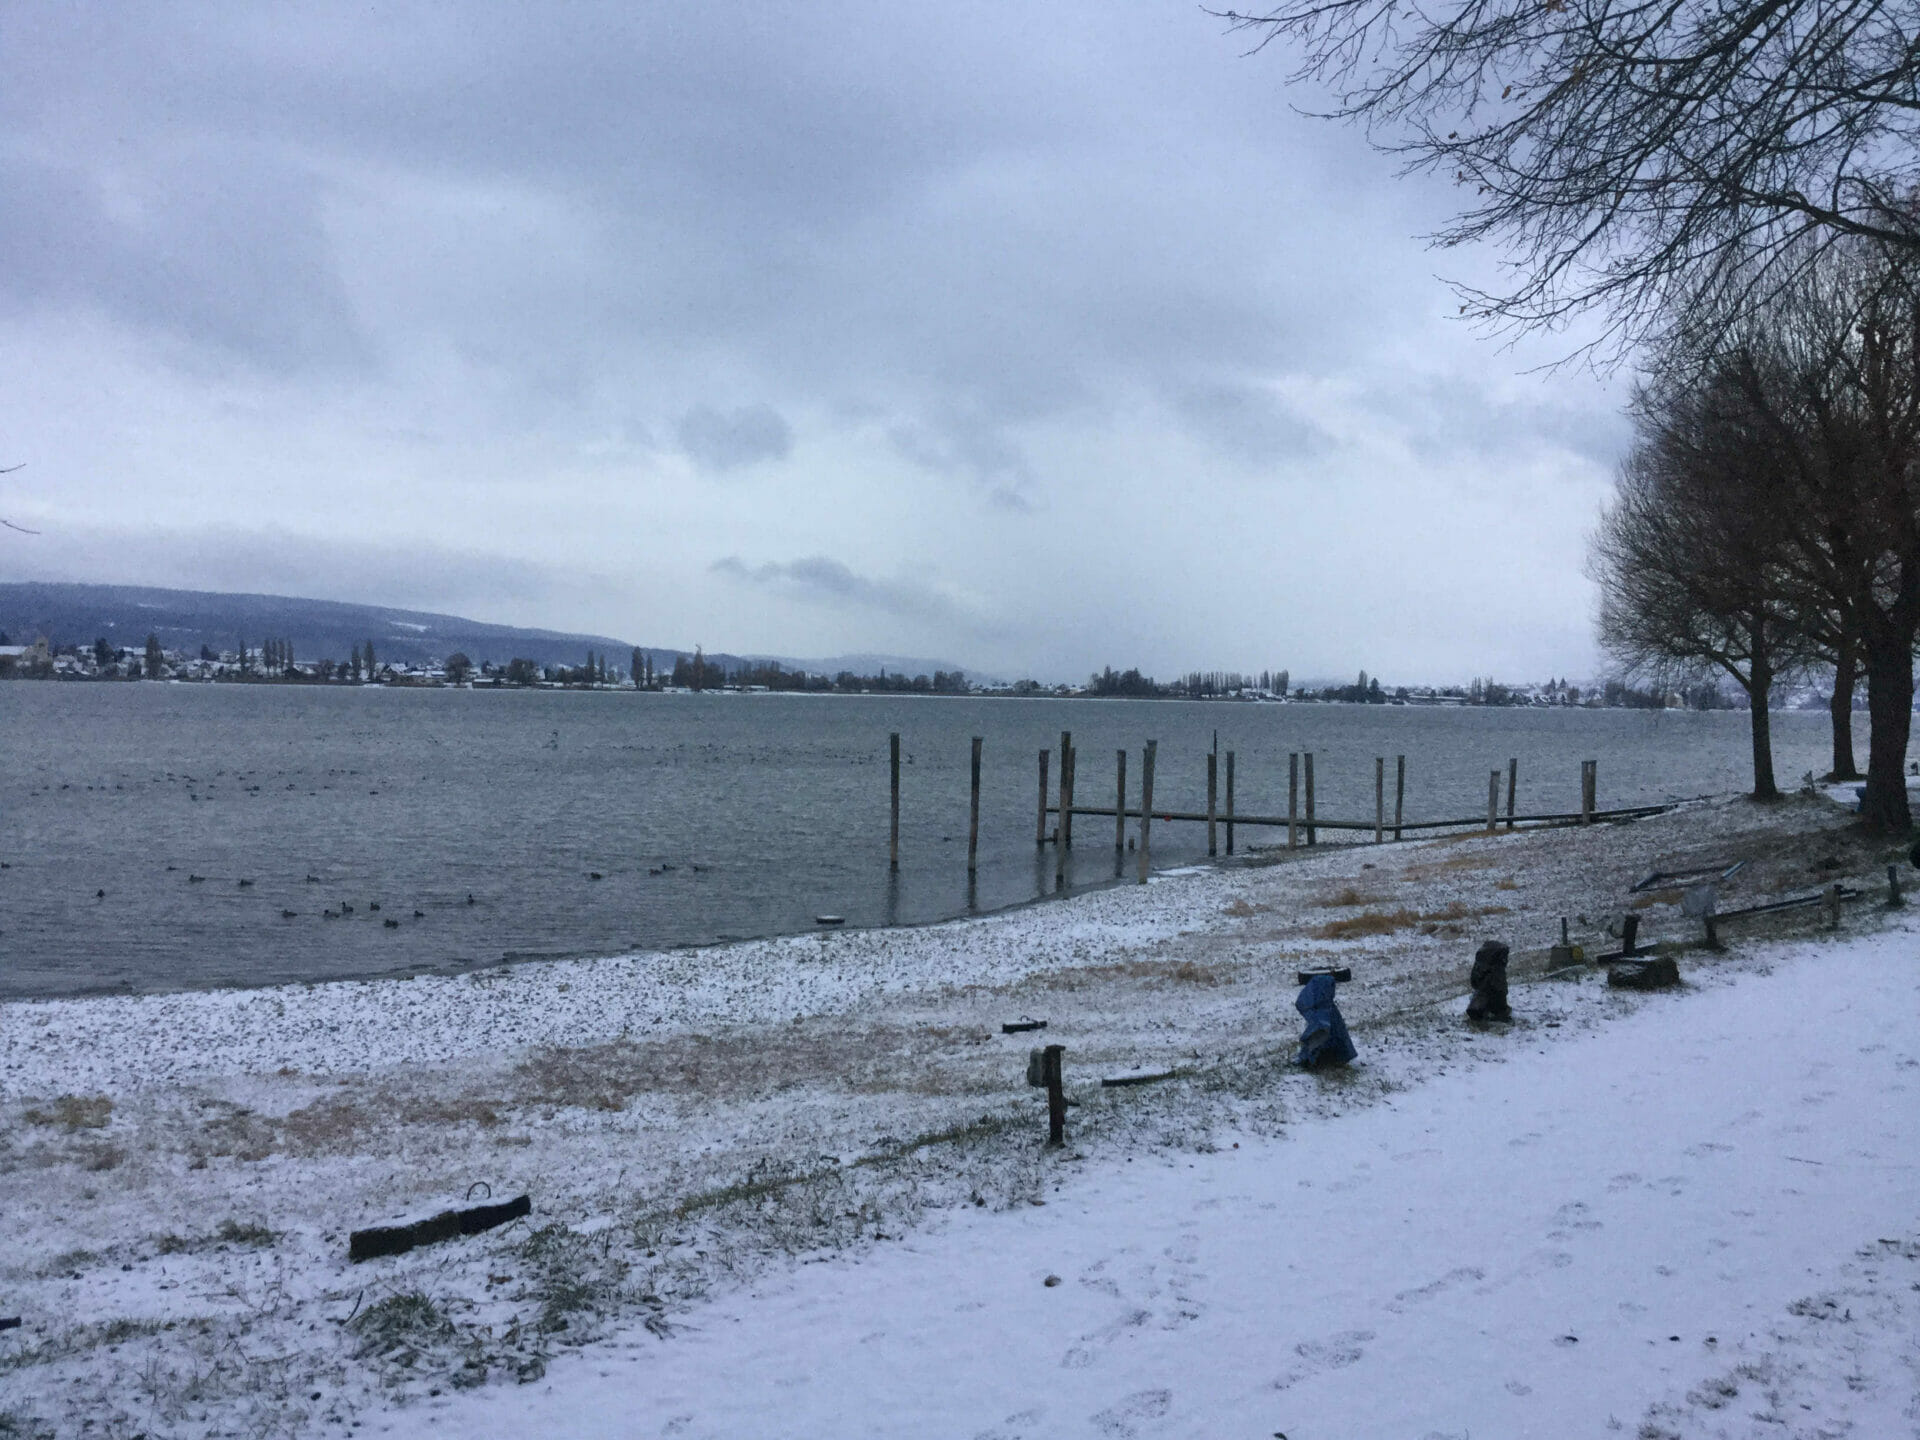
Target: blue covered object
<point x="1325" y="1040"/>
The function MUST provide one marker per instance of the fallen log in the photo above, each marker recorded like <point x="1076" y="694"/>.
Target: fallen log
<point x="397" y="1239"/>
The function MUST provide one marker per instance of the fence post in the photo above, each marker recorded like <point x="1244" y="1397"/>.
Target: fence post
<point x="1229" y="802"/>
<point x="1120" y="801"/>
<point x="1056" y="1094"/>
<point x="1213" y="788"/>
<point x="1493" y="799"/>
<point x="1589" y="784"/>
<point x="1040" y="831"/>
<point x="1379" y="798"/>
<point x="1513" y="783"/>
<point x="973" y="814"/>
<point x="1312" y="835"/>
<point x="893" y="841"/>
<point x="1293" y="800"/>
<point x="1399" y="792"/>
<point x="1146" y="805"/>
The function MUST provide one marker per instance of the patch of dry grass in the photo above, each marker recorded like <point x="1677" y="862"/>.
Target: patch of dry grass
<point x="74" y="1112"/>
<point x="1378" y="922"/>
<point x="1350" y="898"/>
<point x="1240" y="910"/>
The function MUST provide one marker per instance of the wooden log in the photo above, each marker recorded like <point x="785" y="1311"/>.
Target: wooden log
<point x="1119" y="801"/>
<point x="893" y="840"/>
<point x="1016" y="1027"/>
<point x="1379" y="798"/>
<point x="1312" y="837"/>
<point x="1229" y="802"/>
<point x="973" y="813"/>
<point x="1115" y="1082"/>
<point x="1399" y="792"/>
<point x="1513" y="783"/>
<point x="1040" y="827"/>
<point x="1341" y="975"/>
<point x="1655" y="974"/>
<point x="1493" y="800"/>
<point x="448" y="1224"/>
<point x="1293" y="800"/>
<point x="1146" y="807"/>
<point x="1213" y="785"/>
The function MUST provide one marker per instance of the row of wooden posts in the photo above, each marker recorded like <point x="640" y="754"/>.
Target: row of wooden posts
<point x="1296" y="821"/>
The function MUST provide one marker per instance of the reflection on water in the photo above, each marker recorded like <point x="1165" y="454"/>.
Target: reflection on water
<point x="159" y="836"/>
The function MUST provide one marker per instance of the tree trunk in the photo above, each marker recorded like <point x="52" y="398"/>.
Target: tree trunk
<point x="1845" y="675"/>
<point x="1759" y="692"/>
<point x="1888" y="653"/>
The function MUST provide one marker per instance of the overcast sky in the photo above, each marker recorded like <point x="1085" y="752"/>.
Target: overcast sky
<point x="1036" y="338"/>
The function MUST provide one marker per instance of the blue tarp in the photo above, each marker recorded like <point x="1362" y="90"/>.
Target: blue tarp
<point x="1325" y="1040"/>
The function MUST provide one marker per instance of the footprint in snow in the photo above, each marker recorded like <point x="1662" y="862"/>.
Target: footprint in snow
<point x="1128" y="1418"/>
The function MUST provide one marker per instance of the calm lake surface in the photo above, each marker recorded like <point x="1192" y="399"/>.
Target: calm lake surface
<point x="475" y="819"/>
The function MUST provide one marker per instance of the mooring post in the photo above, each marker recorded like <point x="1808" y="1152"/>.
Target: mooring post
<point x="1146" y="804"/>
<point x="1312" y="837"/>
<point x="1119" y="801"/>
<point x="1063" y="835"/>
<point x="1293" y="799"/>
<point x="1493" y="800"/>
<point x="1040" y="831"/>
<point x="1213" y="779"/>
<point x="1056" y="1095"/>
<point x="1588" y="785"/>
<point x="1399" y="792"/>
<point x="893" y="843"/>
<point x="1513" y="783"/>
<point x="1229" y="802"/>
<point x="1379" y="798"/>
<point x="973" y="814"/>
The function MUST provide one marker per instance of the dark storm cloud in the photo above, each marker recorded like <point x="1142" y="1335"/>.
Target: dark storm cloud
<point x="719" y="440"/>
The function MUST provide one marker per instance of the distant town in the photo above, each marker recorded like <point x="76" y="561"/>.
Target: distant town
<point x="274" y="662"/>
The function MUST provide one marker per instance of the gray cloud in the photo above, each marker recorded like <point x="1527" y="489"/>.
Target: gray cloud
<point x="818" y="579"/>
<point x="719" y="441"/>
<point x="475" y="272"/>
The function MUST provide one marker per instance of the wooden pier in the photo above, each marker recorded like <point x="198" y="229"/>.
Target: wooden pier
<point x="1301" y="822"/>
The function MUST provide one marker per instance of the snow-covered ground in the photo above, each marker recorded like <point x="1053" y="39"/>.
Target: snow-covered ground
<point x="1701" y="1217"/>
<point x="714" y="1139"/>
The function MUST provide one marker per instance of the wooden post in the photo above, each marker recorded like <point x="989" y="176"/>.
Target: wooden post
<point x="1588" y="785"/>
<point x="1493" y="800"/>
<point x="973" y="814"/>
<point x="1833" y="907"/>
<point x="893" y="843"/>
<point x="1312" y="835"/>
<point x="1513" y="783"/>
<point x="1119" y="801"/>
<point x="1379" y="798"/>
<point x="1146" y="805"/>
<point x="1056" y="1094"/>
<point x="1293" y="799"/>
<point x="1894" y="902"/>
<point x="1040" y="832"/>
<point x="1213" y="785"/>
<point x="1229" y="802"/>
<point x="1399" y="792"/>
<point x="1063" y="836"/>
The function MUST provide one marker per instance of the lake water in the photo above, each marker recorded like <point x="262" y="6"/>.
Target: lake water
<point x="475" y="819"/>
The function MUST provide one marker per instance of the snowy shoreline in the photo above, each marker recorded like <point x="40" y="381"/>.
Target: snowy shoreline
<point x="663" y="1109"/>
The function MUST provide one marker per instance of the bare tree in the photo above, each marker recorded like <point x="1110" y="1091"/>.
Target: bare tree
<point x="1630" y="153"/>
<point x="1687" y="558"/>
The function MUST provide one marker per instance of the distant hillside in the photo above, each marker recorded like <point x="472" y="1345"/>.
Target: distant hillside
<point x="329" y="629"/>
